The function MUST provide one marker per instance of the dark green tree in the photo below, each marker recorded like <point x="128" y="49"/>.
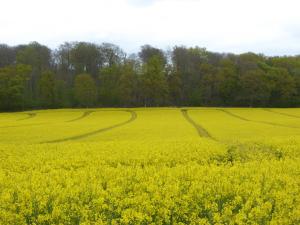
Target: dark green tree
<point x="12" y="87"/>
<point x="228" y="82"/>
<point x="128" y="84"/>
<point x="255" y="89"/>
<point x="84" y="58"/>
<point x="85" y="92"/>
<point x="154" y="83"/>
<point x="109" y="92"/>
<point x="39" y="58"/>
<point x="7" y="55"/>
<point x="47" y="89"/>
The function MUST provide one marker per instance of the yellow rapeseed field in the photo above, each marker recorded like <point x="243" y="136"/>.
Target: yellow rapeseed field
<point x="150" y="166"/>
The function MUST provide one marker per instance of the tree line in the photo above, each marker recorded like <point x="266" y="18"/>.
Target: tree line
<point x="83" y="74"/>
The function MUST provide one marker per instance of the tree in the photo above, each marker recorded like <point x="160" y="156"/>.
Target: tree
<point x="147" y="52"/>
<point x="283" y="92"/>
<point x="109" y="94"/>
<point x="36" y="55"/>
<point x="7" y="55"/>
<point x="208" y="90"/>
<point x="85" y="58"/>
<point x="187" y="67"/>
<point x="128" y="84"/>
<point x="62" y="59"/>
<point x="62" y="94"/>
<point x="228" y="82"/>
<point x="175" y="88"/>
<point x="183" y="76"/>
<point x="255" y="88"/>
<point x="85" y="91"/>
<point x="47" y="89"/>
<point x="154" y="83"/>
<point x="12" y="86"/>
<point x="39" y="58"/>
<point x="111" y="54"/>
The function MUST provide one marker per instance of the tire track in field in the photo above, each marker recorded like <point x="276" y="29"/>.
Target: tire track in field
<point x="85" y="114"/>
<point x="256" y="121"/>
<point x="281" y="113"/>
<point x="131" y="119"/>
<point x="202" y="132"/>
<point x="25" y="125"/>
<point x="234" y="115"/>
<point x="29" y="116"/>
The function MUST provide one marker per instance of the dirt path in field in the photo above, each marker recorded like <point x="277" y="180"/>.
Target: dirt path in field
<point x="85" y="114"/>
<point x="281" y="113"/>
<point x="131" y="119"/>
<point x="29" y="116"/>
<point x="202" y="132"/>
<point x="256" y="121"/>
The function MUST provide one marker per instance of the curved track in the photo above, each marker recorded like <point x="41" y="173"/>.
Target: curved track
<point x="131" y="119"/>
<point x="202" y="132"/>
<point x="29" y="116"/>
<point x="85" y="114"/>
<point x="25" y="125"/>
<point x="256" y="121"/>
<point x="281" y="113"/>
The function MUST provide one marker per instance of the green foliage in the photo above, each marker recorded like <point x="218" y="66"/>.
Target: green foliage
<point x="255" y="88"/>
<point x="284" y="87"/>
<point x="154" y="82"/>
<point x="128" y="85"/>
<point x="47" y="89"/>
<point x="109" y="90"/>
<point x="228" y="82"/>
<point x="12" y="86"/>
<point x="85" y="91"/>
<point x="62" y="94"/>
<point x="7" y="55"/>
<point x="85" y="58"/>
<point x="179" y="77"/>
<point x="118" y="85"/>
<point x="35" y="55"/>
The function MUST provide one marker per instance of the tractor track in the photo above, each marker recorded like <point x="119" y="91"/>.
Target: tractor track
<point x="281" y="113"/>
<point x="25" y="125"/>
<point x="202" y="132"/>
<point x="85" y="114"/>
<point x="29" y="116"/>
<point x="131" y="119"/>
<point x="234" y="115"/>
<point x="256" y="121"/>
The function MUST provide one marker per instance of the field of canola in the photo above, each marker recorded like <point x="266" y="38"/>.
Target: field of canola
<point x="150" y="166"/>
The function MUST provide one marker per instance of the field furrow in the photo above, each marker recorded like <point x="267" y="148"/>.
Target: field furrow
<point x="29" y="116"/>
<point x="258" y="121"/>
<point x="84" y="114"/>
<point x="201" y="131"/>
<point x="282" y="113"/>
<point x="133" y="117"/>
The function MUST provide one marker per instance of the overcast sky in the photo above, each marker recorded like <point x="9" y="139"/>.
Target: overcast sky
<point x="271" y="27"/>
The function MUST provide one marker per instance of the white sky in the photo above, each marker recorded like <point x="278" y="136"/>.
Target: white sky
<point x="271" y="27"/>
